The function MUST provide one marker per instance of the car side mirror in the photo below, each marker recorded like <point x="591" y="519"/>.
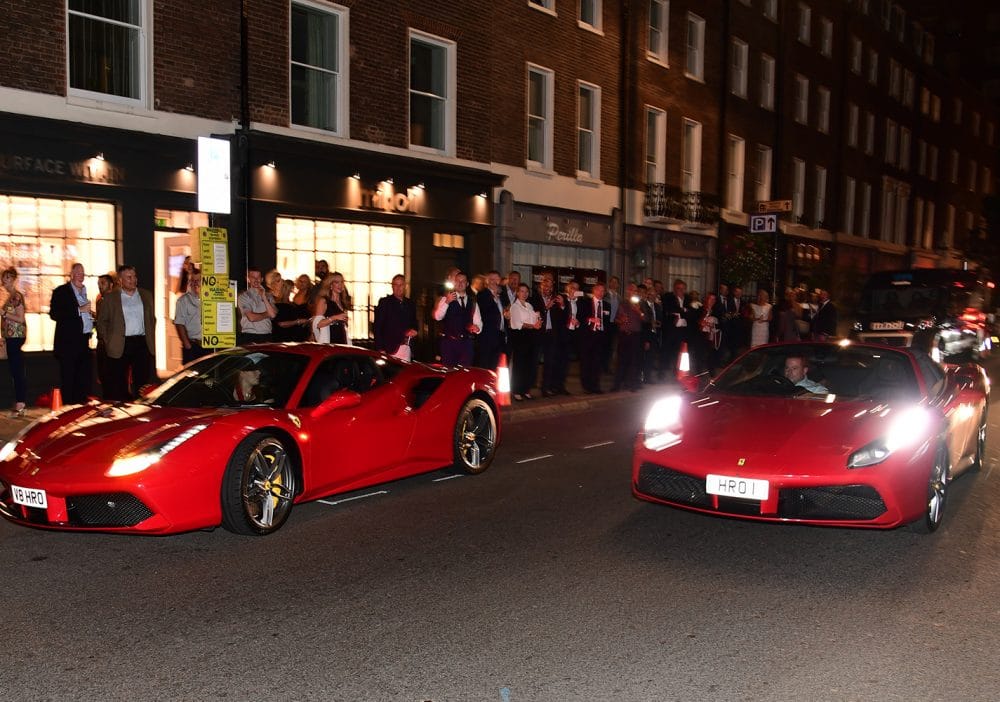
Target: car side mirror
<point x="342" y="399"/>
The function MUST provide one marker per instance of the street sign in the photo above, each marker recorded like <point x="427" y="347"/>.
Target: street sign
<point x="766" y="206"/>
<point x="763" y="224"/>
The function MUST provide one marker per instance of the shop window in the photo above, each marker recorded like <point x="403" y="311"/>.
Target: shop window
<point x="432" y="91"/>
<point x="318" y="60"/>
<point x="107" y="48"/>
<point x="368" y="256"/>
<point x="448" y="241"/>
<point x="526" y="255"/>
<point x="42" y="238"/>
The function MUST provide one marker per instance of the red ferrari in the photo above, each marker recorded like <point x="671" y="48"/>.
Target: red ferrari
<point x="239" y="437"/>
<point x="828" y="434"/>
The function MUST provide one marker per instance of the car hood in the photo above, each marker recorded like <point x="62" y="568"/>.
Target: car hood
<point x="97" y="434"/>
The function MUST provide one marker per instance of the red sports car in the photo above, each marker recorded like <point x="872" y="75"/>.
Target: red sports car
<point x="238" y="437"/>
<point x="829" y="434"/>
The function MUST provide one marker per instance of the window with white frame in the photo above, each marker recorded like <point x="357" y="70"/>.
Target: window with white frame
<point x="849" y="195"/>
<point x="766" y="82"/>
<point x="659" y="26"/>
<point x="819" y="206"/>
<point x="864" y="224"/>
<point x="588" y="159"/>
<point x="953" y="166"/>
<point x="106" y="51"/>
<point x="656" y="139"/>
<point x="823" y="109"/>
<point x="904" y="148"/>
<point x="932" y="171"/>
<point x="740" y="57"/>
<point x="590" y="14"/>
<point x="798" y="188"/>
<point x="869" y="133"/>
<point x="804" y="31"/>
<point x="855" y="55"/>
<point x="891" y="142"/>
<point x="547" y="5"/>
<point x="973" y="174"/>
<point x="895" y="80"/>
<point x="898" y="22"/>
<point x="735" y="160"/>
<point x="762" y="175"/>
<point x="801" y="104"/>
<point x="368" y="256"/>
<point x="695" y="67"/>
<point x="987" y="180"/>
<point x="935" y="108"/>
<point x="540" y="106"/>
<point x="990" y="133"/>
<point x="957" y="111"/>
<point x="432" y="93"/>
<point x="925" y="101"/>
<point x="826" y="37"/>
<point x="909" y="88"/>
<point x="921" y="157"/>
<point x="318" y="50"/>
<point x="770" y="10"/>
<point x="853" y="119"/>
<point x="929" y="224"/>
<point x="873" y="66"/>
<point x="976" y="120"/>
<point x="691" y="157"/>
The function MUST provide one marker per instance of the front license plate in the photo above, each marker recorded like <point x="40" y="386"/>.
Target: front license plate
<point x="29" y="497"/>
<point x="731" y="486"/>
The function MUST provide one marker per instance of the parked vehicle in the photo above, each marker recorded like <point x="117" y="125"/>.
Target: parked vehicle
<point x="941" y="311"/>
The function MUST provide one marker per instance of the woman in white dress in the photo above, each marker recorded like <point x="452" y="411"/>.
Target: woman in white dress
<point x="524" y="325"/>
<point x="760" y="332"/>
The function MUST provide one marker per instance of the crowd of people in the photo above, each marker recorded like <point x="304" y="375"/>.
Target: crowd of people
<point x="540" y="329"/>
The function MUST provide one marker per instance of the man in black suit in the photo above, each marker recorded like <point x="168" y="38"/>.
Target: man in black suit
<point x="594" y="316"/>
<point x="492" y="339"/>
<point x="396" y="321"/>
<point x="74" y="317"/>
<point x="551" y="308"/>
<point x="824" y="323"/>
<point x="677" y="317"/>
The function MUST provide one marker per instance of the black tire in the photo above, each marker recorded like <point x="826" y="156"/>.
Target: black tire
<point x="258" y="487"/>
<point x="980" y="456"/>
<point x="937" y="494"/>
<point x="475" y="437"/>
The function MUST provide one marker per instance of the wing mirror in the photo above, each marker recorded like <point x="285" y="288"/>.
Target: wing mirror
<point x="342" y="399"/>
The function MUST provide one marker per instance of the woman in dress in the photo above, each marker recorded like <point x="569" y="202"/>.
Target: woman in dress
<point x="524" y="325"/>
<point x="14" y="332"/>
<point x="303" y="284"/>
<point x="761" y="313"/>
<point x="319" y="322"/>
<point x="338" y="305"/>
<point x="292" y="321"/>
<point x="707" y="342"/>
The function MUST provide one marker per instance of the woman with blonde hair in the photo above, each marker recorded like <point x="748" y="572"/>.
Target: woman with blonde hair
<point x="14" y="331"/>
<point x="338" y="305"/>
<point x="760" y="332"/>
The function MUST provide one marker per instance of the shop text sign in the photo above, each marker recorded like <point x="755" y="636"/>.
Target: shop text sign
<point x="90" y="170"/>
<point x="388" y="201"/>
<point x="570" y="235"/>
<point x="530" y="225"/>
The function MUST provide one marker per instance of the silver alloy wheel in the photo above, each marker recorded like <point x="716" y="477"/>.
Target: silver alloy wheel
<point x="268" y="484"/>
<point x="977" y="461"/>
<point x="937" y="490"/>
<point x="476" y="436"/>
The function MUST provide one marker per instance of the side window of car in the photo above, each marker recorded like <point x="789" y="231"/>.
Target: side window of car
<point x="369" y="376"/>
<point x="932" y="374"/>
<point x="331" y="375"/>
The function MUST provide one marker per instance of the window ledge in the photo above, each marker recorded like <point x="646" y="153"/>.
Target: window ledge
<point x="657" y="59"/>
<point x="109" y="103"/>
<point x="590" y="28"/>
<point x="537" y="169"/>
<point x="588" y="180"/>
<point x="692" y="76"/>
<point x="540" y="8"/>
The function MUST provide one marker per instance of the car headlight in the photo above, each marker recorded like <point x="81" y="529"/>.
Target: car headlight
<point x="8" y="450"/>
<point x="663" y="423"/>
<point x="136" y="463"/>
<point x="909" y="428"/>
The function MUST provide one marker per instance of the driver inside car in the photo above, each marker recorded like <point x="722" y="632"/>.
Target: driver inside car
<point x="247" y="388"/>
<point x="796" y="370"/>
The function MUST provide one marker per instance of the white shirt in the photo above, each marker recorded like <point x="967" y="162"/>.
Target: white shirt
<point x="132" y="311"/>
<point x="250" y="301"/>
<point x="188" y="315"/>
<point x="81" y="299"/>
<point x="522" y="314"/>
<point x="442" y="308"/>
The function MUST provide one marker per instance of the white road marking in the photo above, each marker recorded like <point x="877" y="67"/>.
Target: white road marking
<point x="534" y="458"/>
<point x="447" y="477"/>
<point x="602" y="443"/>
<point x="356" y="497"/>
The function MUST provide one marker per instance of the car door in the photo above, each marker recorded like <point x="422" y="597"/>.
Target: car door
<point x="354" y="445"/>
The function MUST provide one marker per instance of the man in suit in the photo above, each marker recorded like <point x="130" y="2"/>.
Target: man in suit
<point x="630" y="327"/>
<point x="460" y="322"/>
<point x="551" y="308"/>
<point x="594" y="316"/>
<point x="736" y="324"/>
<point x="677" y="316"/>
<point x="569" y="344"/>
<point x="824" y="323"/>
<point x="651" y="307"/>
<point x="396" y="321"/>
<point x="71" y="310"/>
<point x="128" y="327"/>
<point x="493" y="338"/>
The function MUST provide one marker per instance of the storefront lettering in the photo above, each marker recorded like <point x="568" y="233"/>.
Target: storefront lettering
<point x="89" y="170"/>
<point x="388" y="201"/>
<point x="570" y="236"/>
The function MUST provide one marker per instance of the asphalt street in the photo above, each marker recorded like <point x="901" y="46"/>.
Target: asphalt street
<point x="542" y="579"/>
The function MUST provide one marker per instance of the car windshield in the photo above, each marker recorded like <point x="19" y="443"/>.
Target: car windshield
<point x="237" y="378"/>
<point x="828" y="371"/>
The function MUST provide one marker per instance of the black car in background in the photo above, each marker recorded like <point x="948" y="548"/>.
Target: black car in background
<point x="943" y="311"/>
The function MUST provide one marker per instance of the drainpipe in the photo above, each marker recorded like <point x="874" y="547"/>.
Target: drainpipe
<point x="243" y="134"/>
<point x="625" y="95"/>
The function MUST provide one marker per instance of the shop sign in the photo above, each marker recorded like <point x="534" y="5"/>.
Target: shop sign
<point x="89" y="170"/>
<point x="556" y="229"/>
<point x="388" y="201"/>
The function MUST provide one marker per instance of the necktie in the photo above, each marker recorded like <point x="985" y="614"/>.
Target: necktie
<point x="461" y="300"/>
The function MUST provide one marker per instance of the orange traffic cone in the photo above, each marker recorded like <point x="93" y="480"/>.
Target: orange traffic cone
<point x="56" y="399"/>
<point x="683" y="362"/>
<point x="503" y="382"/>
